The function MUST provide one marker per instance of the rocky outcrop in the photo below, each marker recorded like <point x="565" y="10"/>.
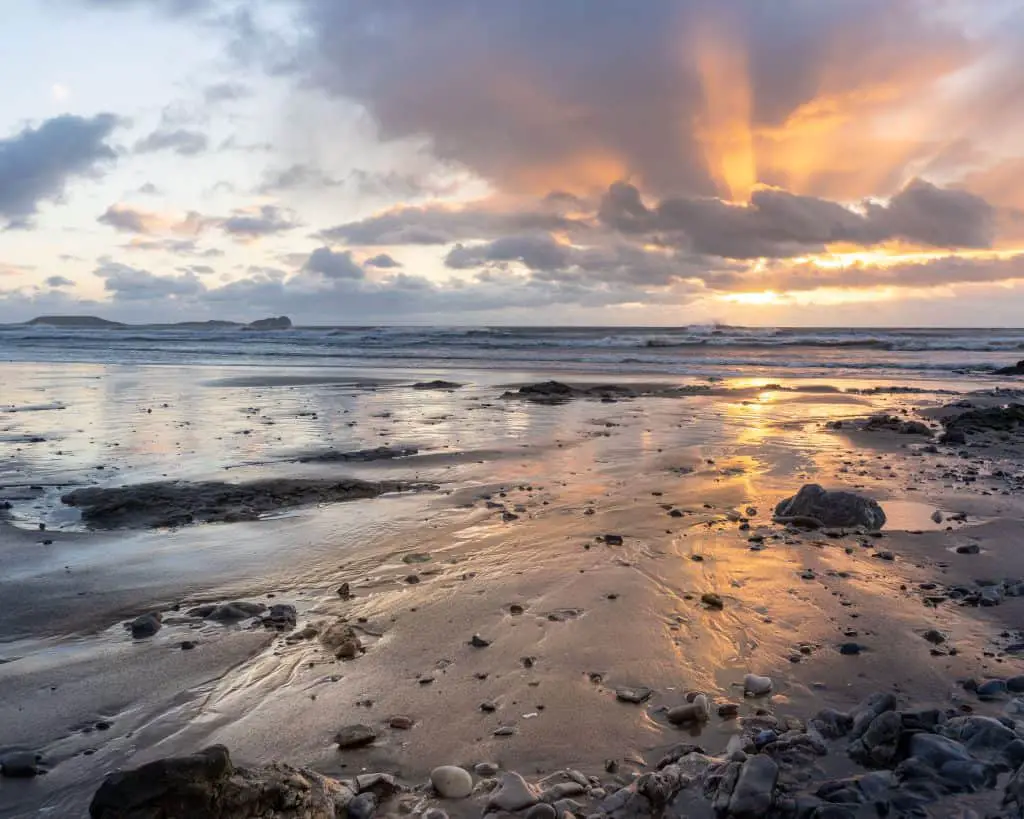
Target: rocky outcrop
<point x="831" y="508"/>
<point x="1015" y="369"/>
<point x="207" y="785"/>
<point x="278" y="323"/>
<point x="177" y="503"/>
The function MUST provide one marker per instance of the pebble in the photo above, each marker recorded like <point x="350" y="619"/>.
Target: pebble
<point x="756" y="685"/>
<point x="400" y="722"/>
<point x="486" y="769"/>
<point x="727" y="710"/>
<point x="712" y="600"/>
<point x="505" y="731"/>
<point x="1015" y="684"/>
<point x="451" y="782"/>
<point x="634" y="695"/>
<point x="968" y="549"/>
<point x="692" y="712"/>
<point x="542" y="811"/>
<point x="934" y="636"/>
<point x="613" y="540"/>
<point x="513" y="794"/>
<point x="434" y="813"/>
<point x="488" y="707"/>
<point x="991" y="689"/>
<point x="479" y="642"/>
<point x="355" y="736"/>
<point x="850" y="649"/>
<point x="188" y="645"/>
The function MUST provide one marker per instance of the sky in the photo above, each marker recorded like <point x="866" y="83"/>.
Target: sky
<point x="571" y="162"/>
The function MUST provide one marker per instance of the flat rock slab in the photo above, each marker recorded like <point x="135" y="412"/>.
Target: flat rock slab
<point x="177" y="503"/>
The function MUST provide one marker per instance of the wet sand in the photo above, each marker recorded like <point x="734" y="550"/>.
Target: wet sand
<point x="515" y="535"/>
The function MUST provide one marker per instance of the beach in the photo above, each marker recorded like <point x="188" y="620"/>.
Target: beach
<point x="533" y="579"/>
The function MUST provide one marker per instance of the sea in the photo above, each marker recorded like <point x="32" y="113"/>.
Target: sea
<point x="701" y="351"/>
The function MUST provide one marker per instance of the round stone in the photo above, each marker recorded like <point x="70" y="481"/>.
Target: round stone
<point x="542" y="811"/>
<point x="451" y="782"/>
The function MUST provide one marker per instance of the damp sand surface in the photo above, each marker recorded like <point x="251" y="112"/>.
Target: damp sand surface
<point x="510" y="546"/>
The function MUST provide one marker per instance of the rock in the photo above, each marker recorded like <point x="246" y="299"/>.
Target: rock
<point x="697" y="711"/>
<point x="355" y="736"/>
<point x="504" y="731"/>
<point x="227" y="612"/>
<point x="19" y="765"/>
<point x="345" y="591"/>
<point x="437" y="385"/>
<point x="188" y="645"/>
<point x="991" y="690"/>
<point x="362" y="807"/>
<point x="877" y="747"/>
<point x="1015" y="369"/>
<point x="207" y="785"/>
<point x="754" y="792"/>
<point x="434" y="813"/>
<point x="936" y="750"/>
<point x="512" y="794"/>
<point x="984" y="737"/>
<point x="832" y="724"/>
<point x="850" y="649"/>
<point x="1015" y="685"/>
<point x="757" y="686"/>
<point x="866" y="712"/>
<point x="968" y="549"/>
<point x="381" y="785"/>
<point x="727" y="710"/>
<point x="934" y="636"/>
<point x="417" y="557"/>
<point x="712" y="600"/>
<point x="275" y="323"/>
<point x="479" y="642"/>
<point x="542" y="811"/>
<point x="451" y="782"/>
<point x="832" y="508"/>
<point x="561" y="791"/>
<point x="281" y="617"/>
<point x="613" y="540"/>
<point x="342" y="641"/>
<point x="401" y="723"/>
<point x="145" y="625"/>
<point x="486" y="769"/>
<point x="634" y="695"/>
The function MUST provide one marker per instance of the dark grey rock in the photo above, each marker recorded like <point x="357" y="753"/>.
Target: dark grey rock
<point x="19" y="765"/>
<point x="878" y="746"/>
<point x="207" y="785"/>
<point x="362" y="806"/>
<point x="512" y="794"/>
<point x="146" y="625"/>
<point x="634" y="695"/>
<point x="832" y="508"/>
<point x="755" y="788"/>
<point x="355" y="736"/>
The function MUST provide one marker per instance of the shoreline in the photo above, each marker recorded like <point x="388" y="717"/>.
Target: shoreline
<point x="653" y="633"/>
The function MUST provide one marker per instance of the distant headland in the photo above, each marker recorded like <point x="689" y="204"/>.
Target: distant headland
<point x="97" y="323"/>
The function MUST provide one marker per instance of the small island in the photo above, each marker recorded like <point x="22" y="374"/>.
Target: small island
<point x="97" y="323"/>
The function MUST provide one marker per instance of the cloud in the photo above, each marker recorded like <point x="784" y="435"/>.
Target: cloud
<point x="841" y="99"/>
<point x="242" y="224"/>
<point x="333" y="264"/>
<point x="442" y="224"/>
<point x="129" y="219"/>
<point x="37" y="163"/>
<point x="174" y="8"/>
<point x="263" y="221"/>
<point x="59" y="281"/>
<point x="382" y="261"/>
<point x="296" y="176"/>
<point x="149" y="189"/>
<point x="226" y="92"/>
<point x="135" y="284"/>
<point x="179" y="140"/>
<point x="777" y="223"/>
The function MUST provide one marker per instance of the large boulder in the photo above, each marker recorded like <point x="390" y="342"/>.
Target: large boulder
<point x="207" y="785"/>
<point x="831" y="508"/>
